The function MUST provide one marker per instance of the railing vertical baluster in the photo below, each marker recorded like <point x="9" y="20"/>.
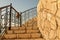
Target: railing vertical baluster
<point x="20" y="19"/>
<point x="25" y="18"/>
<point x="28" y="19"/>
<point x="15" y="19"/>
<point x="10" y="17"/>
<point x="6" y="19"/>
<point x="0" y="20"/>
<point x="32" y="18"/>
<point x="18" y="22"/>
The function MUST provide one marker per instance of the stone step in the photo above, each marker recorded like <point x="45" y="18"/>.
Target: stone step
<point x="6" y="36"/>
<point x="9" y="31"/>
<point x="22" y="36"/>
<point x="25" y="39"/>
<point x="32" y="31"/>
<point x="35" y="27"/>
<point x="28" y="28"/>
<point x="32" y="27"/>
<point x="23" y="28"/>
<point x="22" y="31"/>
<point x="16" y="28"/>
<point x="29" y="36"/>
<point x="26" y="31"/>
<point x="15" y="31"/>
<point x="19" y="31"/>
<point x="35" y="35"/>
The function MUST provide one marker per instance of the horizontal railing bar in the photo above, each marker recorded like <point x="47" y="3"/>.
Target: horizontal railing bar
<point x="15" y="9"/>
<point x="3" y="10"/>
<point x="4" y="7"/>
<point x="29" y="9"/>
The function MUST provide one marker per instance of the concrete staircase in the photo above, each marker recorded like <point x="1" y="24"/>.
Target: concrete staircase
<point x="26" y="32"/>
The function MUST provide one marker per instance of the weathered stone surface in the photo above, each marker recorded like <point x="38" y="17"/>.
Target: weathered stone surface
<point x="24" y="39"/>
<point x="35" y="35"/>
<point x="52" y="34"/>
<point x="29" y="28"/>
<point x="48" y="12"/>
<point x="25" y="36"/>
<point x="10" y="36"/>
<point x="19" y="31"/>
<point x="32" y="31"/>
<point x="9" y="31"/>
<point x="58" y="32"/>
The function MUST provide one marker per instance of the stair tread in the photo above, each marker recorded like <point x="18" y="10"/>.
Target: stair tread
<point x="9" y="31"/>
<point x="9" y="36"/>
<point x="32" y="31"/>
<point x="22" y="31"/>
<point x="32" y="35"/>
<point x="25" y="39"/>
<point x="14" y="28"/>
<point x="19" y="31"/>
<point x="17" y="28"/>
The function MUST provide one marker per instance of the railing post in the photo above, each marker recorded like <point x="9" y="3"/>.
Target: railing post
<point x="6" y="19"/>
<point x="18" y="17"/>
<point x="20" y="20"/>
<point x="0" y="20"/>
<point x="10" y="17"/>
<point x="15" y="19"/>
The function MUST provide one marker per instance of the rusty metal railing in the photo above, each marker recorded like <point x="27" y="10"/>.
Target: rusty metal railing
<point x="9" y="17"/>
<point x="29" y="15"/>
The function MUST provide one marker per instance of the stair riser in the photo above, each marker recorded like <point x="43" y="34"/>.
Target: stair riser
<point x="24" y="39"/>
<point x="22" y="36"/>
<point x="22" y="31"/>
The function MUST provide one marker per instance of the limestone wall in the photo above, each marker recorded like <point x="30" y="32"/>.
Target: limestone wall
<point x="49" y="19"/>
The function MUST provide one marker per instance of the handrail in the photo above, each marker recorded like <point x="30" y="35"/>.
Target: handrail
<point x="8" y="6"/>
<point x="15" y="9"/>
<point x="27" y="14"/>
<point x="10" y="15"/>
<point x="29" y="9"/>
<point x="4" y="7"/>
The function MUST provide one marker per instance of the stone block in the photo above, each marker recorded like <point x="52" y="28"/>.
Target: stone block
<point x="32" y="31"/>
<point x="35" y="35"/>
<point x="10" y="36"/>
<point x="19" y="31"/>
<point x="10" y="31"/>
<point x="21" y="36"/>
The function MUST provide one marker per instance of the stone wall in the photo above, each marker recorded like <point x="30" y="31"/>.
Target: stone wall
<point x="49" y="19"/>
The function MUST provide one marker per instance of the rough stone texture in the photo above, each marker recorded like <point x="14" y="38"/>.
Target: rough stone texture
<point x="24" y="39"/>
<point x="49" y="19"/>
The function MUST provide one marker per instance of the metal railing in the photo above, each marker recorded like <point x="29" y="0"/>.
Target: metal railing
<point x="29" y="15"/>
<point x="9" y="17"/>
